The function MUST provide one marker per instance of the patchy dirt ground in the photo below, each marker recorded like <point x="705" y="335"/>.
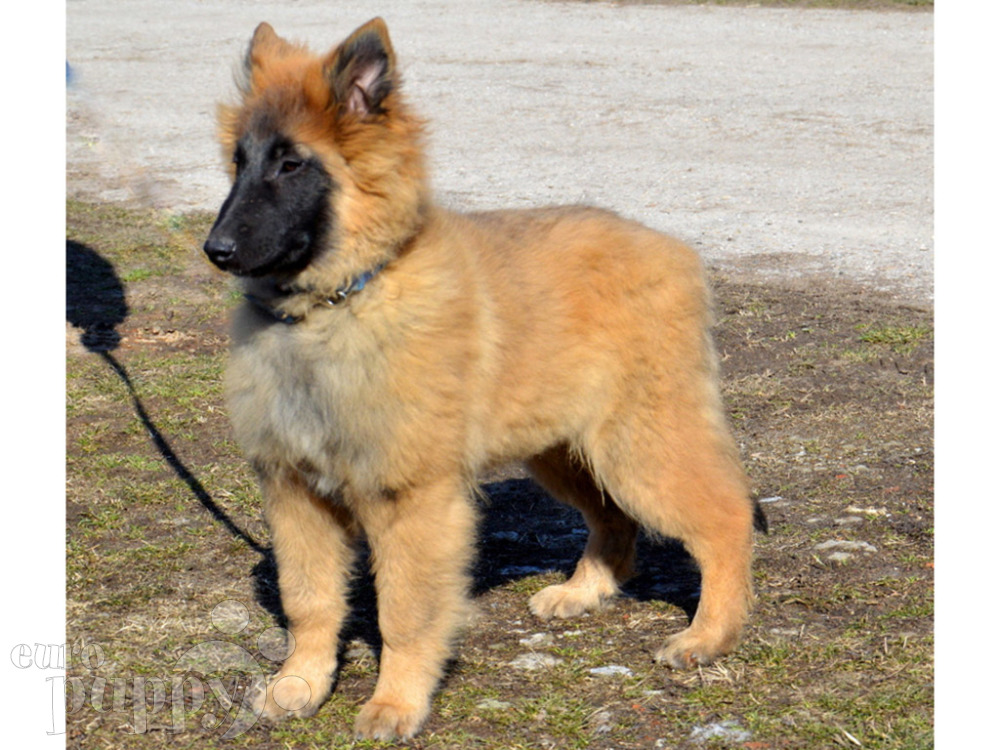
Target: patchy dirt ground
<point x="829" y="389"/>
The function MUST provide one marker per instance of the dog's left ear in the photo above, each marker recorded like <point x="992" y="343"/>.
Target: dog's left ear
<point x="361" y="71"/>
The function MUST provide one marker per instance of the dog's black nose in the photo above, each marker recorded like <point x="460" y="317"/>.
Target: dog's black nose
<point x="220" y="250"/>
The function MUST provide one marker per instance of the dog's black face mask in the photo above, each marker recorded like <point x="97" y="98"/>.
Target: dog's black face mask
<point x="277" y="214"/>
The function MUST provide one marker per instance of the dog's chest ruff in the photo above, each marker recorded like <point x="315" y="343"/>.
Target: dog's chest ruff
<point x="303" y="397"/>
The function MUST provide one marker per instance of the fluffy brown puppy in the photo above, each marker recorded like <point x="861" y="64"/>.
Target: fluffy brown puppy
<point x="389" y="350"/>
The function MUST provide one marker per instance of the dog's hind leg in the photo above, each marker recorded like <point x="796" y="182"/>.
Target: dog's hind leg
<point x="610" y="552"/>
<point x="681" y="478"/>
<point x="313" y="542"/>
<point x="421" y="547"/>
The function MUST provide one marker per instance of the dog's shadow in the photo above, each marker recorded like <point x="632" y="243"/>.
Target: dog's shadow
<point x="526" y="532"/>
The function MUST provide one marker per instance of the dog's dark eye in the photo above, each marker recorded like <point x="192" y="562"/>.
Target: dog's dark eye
<point x="290" y="165"/>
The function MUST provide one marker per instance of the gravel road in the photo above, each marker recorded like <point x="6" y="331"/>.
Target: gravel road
<point x="777" y="141"/>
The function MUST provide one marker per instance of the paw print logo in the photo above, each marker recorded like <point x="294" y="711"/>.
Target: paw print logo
<point x="223" y="682"/>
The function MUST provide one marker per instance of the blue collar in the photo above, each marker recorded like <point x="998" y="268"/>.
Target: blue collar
<point x="332" y="300"/>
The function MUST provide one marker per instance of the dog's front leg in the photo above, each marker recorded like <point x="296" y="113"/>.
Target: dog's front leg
<point x="421" y="545"/>
<point x="313" y="542"/>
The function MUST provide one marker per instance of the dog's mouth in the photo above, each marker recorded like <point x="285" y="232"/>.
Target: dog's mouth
<point x="298" y="253"/>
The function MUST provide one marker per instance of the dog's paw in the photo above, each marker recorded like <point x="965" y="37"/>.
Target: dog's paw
<point x="566" y="600"/>
<point x="380" y="720"/>
<point x="687" y="650"/>
<point x="289" y="695"/>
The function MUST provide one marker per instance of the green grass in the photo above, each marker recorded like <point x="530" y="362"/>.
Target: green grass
<point x="902" y="339"/>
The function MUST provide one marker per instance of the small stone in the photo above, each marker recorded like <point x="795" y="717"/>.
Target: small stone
<point x="868" y="511"/>
<point x="844" y="545"/>
<point x="601" y="722"/>
<point x="537" y="640"/>
<point x="728" y="731"/>
<point x="612" y="670"/>
<point x="533" y="661"/>
<point x="786" y="632"/>
<point x="848" y="520"/>
<point x="491" y="704"/>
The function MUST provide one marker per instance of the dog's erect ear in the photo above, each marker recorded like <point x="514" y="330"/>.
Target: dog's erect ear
<point x="361" y="71"/>
<point x="263" y="43"/>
